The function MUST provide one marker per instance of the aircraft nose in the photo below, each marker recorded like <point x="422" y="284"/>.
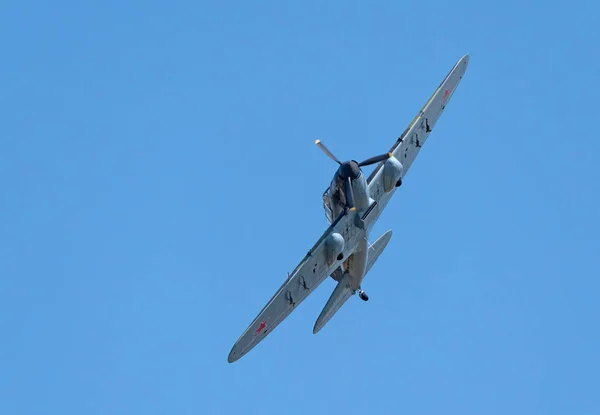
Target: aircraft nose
<point x="349" y="169"/>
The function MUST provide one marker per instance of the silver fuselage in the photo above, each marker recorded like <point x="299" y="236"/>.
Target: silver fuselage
<point x="356" y="263"/>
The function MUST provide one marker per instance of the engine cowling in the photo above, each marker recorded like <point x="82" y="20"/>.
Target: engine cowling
<point x="392" y="173"/>
<point x="334" y="248"/>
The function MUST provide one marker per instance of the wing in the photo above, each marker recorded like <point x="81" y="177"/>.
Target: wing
<point x="307" y="276"/>
<point x="408" y="145"/>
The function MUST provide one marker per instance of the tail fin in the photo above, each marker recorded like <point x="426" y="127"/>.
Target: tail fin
<point x="342" y="291"/>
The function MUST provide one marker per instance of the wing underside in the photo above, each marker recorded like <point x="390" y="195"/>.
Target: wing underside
<point x="407" y="146"/>
<point x="423" y="123"/>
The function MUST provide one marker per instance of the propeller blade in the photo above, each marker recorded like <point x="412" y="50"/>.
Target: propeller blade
<point x="375" y="159"/>
<point x="349" y="194"/>
<point x="326" y="151"/>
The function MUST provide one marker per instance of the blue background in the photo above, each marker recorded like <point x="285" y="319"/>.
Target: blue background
<point x="159" y="179"/>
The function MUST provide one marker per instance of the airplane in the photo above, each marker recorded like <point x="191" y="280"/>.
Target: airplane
<point x="352" y="205"/>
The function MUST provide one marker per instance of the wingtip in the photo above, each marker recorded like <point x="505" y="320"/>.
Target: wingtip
<point x="318" y="325"/>
<point x="465" y="59"/>
<point x="233" y="356"/>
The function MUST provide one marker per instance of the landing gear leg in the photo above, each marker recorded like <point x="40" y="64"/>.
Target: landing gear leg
<point x="363" y="295"/>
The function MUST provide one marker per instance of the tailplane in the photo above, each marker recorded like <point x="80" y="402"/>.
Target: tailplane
<point x="376" y="248"/>
<point x="342" y="291"/>
<point x="339" y="296"/>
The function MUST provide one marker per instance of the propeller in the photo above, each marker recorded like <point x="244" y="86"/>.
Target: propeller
<point x="326" y="151"/>
<point x="366" y="162"/>
<point x="349" y="194"/>
<point x="375" y="159"/>
<point x="350" y="170"/>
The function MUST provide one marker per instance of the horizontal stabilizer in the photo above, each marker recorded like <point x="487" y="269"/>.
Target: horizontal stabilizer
<point x="339" y="296"/>
<point x="342" y="291"/>
<point x="376" y="248"/>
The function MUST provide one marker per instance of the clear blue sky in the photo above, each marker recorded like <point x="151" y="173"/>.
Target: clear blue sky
<point x="159" y="179"/>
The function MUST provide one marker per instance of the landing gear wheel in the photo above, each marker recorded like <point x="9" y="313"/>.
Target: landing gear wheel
<point x="363" y="296"/>
<point x="399" y="183"/>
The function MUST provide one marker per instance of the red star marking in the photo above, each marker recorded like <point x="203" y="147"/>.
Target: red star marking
<point x="446" y="93"/>
<point x="260" y="328"/>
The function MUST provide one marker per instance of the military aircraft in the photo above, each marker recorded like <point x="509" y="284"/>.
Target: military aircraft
<point x="352" y="204"/>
